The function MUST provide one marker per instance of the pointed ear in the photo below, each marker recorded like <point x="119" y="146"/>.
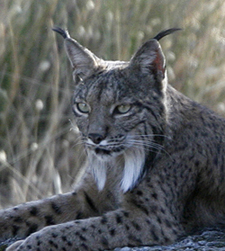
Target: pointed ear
<point x="149" y="59"/>
<point x="83" y="61"/>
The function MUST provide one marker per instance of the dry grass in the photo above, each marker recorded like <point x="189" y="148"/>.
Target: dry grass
<point x="39" y="153"/>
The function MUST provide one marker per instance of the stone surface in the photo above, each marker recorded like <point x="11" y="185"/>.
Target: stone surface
<point x="210" y="240"/>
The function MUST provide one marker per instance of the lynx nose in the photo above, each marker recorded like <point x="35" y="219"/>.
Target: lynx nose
<point x="95" y="137"/>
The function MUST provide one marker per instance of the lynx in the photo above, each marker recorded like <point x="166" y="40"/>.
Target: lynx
<point x="156" y="167"/>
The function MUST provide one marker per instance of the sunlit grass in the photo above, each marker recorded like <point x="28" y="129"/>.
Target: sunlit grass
<point x="39" y="154"/>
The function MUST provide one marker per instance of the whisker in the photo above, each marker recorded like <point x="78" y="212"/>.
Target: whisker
<point x="150" y="144"/>
<point x="136" y="141"/>
<point x="77" y="144"/>
<point x="156" y="146"/>
<point x="143" y="142"/>
<point x="152" y="149"/>
<point x="148" y="135"/>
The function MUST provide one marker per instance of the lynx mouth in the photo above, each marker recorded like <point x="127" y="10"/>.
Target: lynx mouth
<point x="101" y="151"/>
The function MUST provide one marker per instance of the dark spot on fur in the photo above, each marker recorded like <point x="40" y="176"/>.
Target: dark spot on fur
<point x="148" y="222"/>
<point x="69" y="227"/>
<point x="126" y="214"/>
<point x="82" y="238"/>
<point x="155" y="237"/>
<point x="142" y="208"/>
<point x="79" y="215"/>
<point x="159" y="220"/>
<point x="15" y="230"/>
<point x="104" y="220"/>
<point x="197" y="163"/>
<point x="167" y="240"/>
<point x="162" y="211"/>
<point x="90" y="202"/>
<point x="139" y="192"/>
<point x="49" y="220"/>
<point x="136" y="225"/>
<point x="215" y="161"/>
<point x="33" y="211"/>
<point x="153" y="209"/>
<point x="53" y="244"/>
<point x="104" y="242"/>
<point x="69" y="243"/>
<point x="18" y="219"/>
<point x="64" y="238"/>
<point x="134" y="239"/>
<point x="175" y="183"/>
<point x="32" y="228"/>
<point x="54" y="235"/>
<point x="50" y="242"/>
<point x="56" y="208"/>
<point x="112" y="232"/>
<point x="84" y="246"/>
<point x="155" y="196"/>
<point x="175" y="232"/>
<point x="39" y="243"/>
<point x="168" y="224"/>
<point x="119" y="219"/>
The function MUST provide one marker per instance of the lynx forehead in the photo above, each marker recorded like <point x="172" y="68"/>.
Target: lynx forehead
<point x="155" y="161"/>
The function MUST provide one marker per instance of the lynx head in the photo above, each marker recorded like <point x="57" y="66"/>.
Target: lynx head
<point x="119" y="108"/>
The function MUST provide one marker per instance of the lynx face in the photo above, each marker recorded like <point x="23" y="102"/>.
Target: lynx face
<point x="111" y="121"/>
<point x="120" y="112"/>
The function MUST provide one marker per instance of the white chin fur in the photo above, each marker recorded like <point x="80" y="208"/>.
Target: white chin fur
<point x="99" y="169"/>
<point x="133" y="165"/>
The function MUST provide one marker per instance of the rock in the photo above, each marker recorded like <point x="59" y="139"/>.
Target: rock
<point x="209" y="240"/>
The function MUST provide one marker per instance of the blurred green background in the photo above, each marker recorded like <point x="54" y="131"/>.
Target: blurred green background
<point x="39" y="151"/>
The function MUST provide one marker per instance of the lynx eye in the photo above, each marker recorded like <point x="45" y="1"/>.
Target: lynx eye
<point x="122" y="109"/>
<point x="83" y="108"/>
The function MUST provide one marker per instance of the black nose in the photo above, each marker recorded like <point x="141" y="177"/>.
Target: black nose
<point x="95" y="137"/>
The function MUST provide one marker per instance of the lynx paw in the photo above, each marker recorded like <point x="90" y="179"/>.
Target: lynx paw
<point x="40" y="240"/>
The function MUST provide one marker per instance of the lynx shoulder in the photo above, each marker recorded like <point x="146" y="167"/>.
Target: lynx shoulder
<point x="155" y="167"/>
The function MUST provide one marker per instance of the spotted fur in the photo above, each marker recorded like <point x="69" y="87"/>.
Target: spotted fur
<point x="155" y="168"/>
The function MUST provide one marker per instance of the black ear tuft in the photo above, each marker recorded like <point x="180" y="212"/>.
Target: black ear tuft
<point x="83" y="61"/>
<point x="165" y="33"/>
<point x="64" y="33"/>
